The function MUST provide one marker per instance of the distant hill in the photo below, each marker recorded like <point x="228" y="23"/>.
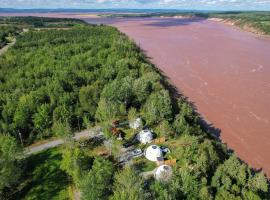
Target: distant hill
<point x="11" y="10"/>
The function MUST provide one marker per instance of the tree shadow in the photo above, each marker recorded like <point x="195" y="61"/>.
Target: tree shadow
<point x="43" y="178"/>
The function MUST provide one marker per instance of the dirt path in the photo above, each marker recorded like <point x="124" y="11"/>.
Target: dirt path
<point x="6" y="47"/>
<point x="91" y="133"/>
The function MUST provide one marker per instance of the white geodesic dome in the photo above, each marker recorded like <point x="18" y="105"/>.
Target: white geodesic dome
<point x="153" y="152"/>
<point x="164" y="173"/>
<point x="145" y="136"/>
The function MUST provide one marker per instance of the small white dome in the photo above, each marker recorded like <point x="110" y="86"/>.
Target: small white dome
<point x="137" y="123"/>
<point x="164" y="173"/>
<point x="145" y="136"/>
<point x="153" y="152"/>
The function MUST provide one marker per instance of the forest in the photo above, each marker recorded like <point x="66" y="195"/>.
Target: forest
<point x="54" y="82"/>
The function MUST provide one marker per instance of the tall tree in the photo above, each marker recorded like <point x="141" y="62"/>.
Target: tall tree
<point x="128" y="185"/>
<point x="158" y="107"/>
<point x="10" y="153"/>
<point x="96" y="184"/>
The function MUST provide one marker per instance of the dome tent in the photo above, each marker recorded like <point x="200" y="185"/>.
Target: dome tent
<point x="163" y="173"/>
<point x="145" y="136"/>
<point x="137" y="123"/>
<point x="153" y="153"/>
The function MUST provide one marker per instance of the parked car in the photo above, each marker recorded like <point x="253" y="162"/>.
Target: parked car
<point x="165" y="149"/>
<point x="127" y="144"/>
<point x="137" y="153"/>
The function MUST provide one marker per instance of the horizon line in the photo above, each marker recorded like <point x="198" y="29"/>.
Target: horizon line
<point x="165" y="9"/>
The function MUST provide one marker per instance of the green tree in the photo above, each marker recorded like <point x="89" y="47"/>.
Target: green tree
<point x="162" y="191"/>
<point x="107" y="110"/>
<point x="96" y="184"/>
<point x="165" y="129"/>
<point x="119" y="91"/>
<point x="132" y="114"/>
<point x="42" y="118"/>
<point x="258" y="183"/>
<point x="142" y="89"/>
<point x="74" y="161"/>
<point x="10" y="155"/>
<point x="128" y="185"/>
<point x="62" y="114"/>
<point x="158" y="107"/>
<point x="89" y="98"/>
<point x="23" y="113"/>
<point x="235" y="178"/>
<point x="62" y="130"/>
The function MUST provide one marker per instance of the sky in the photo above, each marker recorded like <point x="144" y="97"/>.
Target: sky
<point x="142" y="4"/>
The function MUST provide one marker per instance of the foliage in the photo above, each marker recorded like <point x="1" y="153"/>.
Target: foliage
<point x="128" y="185"/>
<point x="58" y="76"/>
<point x="5" y="32"/>
<point x="31" y="21"/>
<point x="10" y="170"/>
<point x="158" y="107"/>
<point x="75" y="162"/>
<point x="234" y="179"/>
<point x="42" y="178"/>
<point x="96" y="184"/>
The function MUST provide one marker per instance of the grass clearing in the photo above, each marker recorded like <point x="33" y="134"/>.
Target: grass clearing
<point x="43" y="178"/>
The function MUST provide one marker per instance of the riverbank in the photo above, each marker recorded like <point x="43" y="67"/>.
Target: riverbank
<point x="247" y="27"/>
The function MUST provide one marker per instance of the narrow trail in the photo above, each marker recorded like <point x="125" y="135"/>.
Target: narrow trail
<point x="6" y="47"/>
<point x="85" y="134"/>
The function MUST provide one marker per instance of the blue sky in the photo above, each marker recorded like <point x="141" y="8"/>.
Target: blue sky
<point x="166" y="4"/>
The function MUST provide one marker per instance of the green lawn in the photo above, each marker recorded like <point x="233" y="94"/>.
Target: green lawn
<point x="43" y="178"/>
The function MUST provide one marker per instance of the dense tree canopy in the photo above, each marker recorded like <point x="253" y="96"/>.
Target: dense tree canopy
<point x="10" y="153"/>
<point x="97" y="183"/>
<point x="128" y="185"/>
<point x="59" y="76"/>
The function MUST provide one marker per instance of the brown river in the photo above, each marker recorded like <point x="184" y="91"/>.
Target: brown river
<point x="224" y="71"/>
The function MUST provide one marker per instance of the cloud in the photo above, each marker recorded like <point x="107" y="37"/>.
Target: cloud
<point x="181" y="4"/>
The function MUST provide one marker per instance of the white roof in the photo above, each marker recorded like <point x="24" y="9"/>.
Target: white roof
<point x="145" y="136"/>
<point x="153" y="152"/>
<point x="164" y="173"/>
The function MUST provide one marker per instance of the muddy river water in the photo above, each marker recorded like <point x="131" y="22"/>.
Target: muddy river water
<point x="223" y="70"/>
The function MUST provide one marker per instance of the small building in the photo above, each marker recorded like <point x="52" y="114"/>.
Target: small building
<point x="145" y="136"/>
<point x="135" y="124"/>
<point x="153" y="153"/>
<point x="163" y="173"/>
